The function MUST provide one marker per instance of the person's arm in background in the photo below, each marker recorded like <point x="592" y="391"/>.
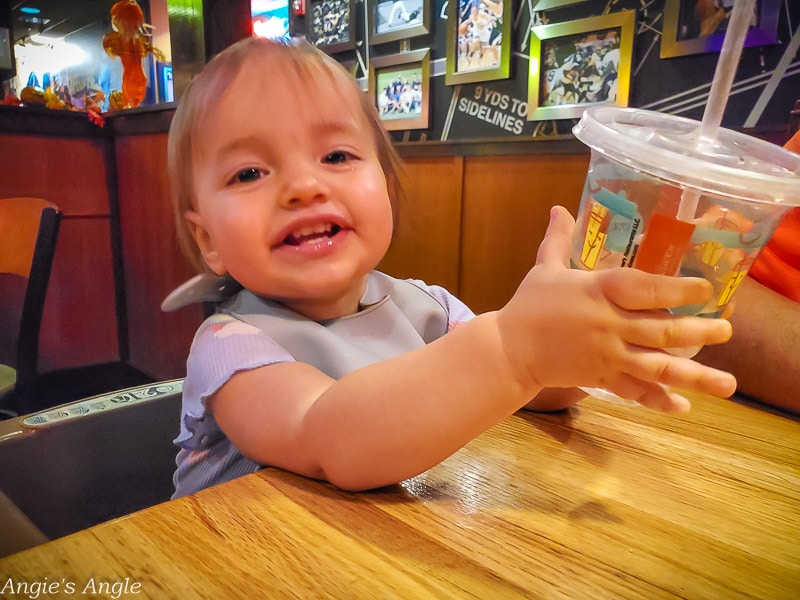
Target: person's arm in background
<point x="764" y="352"/>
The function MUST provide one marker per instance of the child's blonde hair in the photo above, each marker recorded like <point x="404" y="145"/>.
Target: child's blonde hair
<point x="202" y="98"/>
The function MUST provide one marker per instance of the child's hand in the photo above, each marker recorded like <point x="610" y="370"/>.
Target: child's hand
<point x="567" y="327"/>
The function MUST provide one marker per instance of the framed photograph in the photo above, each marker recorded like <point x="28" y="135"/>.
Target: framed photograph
<point x="698" y="26"/>
<point x="551" y="4"/>
<point x="6" y="57"/>
<point x="579" y="63"/>
<point x="399" y="85"/>
<point x="391" y="20"/>
<point x="331" y="24"/>
<point x="478" y="41"/>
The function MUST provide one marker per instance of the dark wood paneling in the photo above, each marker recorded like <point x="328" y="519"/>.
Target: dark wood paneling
<point x="66" y="171"/>
<point x="426" y="243"/>
<point x="79" y="326"/>
<point x="158" y="342"/>
<point x="507" y="200"/>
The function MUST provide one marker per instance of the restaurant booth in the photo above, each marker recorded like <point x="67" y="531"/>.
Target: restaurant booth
<point x="483" y="180"/>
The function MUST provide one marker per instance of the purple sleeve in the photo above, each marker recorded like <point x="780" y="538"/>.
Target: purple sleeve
<point x="457" y="311"/>
<point x="222" y="346"/>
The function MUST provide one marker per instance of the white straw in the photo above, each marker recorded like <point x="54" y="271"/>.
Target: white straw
<point x="738" y="25"/>
<point x="728" y="62"/>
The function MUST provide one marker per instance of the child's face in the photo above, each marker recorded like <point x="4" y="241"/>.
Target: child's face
<point x="291" y="199"/>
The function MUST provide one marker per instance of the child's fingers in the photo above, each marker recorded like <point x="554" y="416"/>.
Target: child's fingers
<point x="557" y="243"/>
<point x="675" y="371"/>
<point x="727" y="312"/>
<point x="636" y="290"/>
<point x="651" y="395"/>
<point x="664" y="399"/>
<point x="663" y="330"/>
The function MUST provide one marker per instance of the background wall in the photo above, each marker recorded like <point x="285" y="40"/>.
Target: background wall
<point x="766" y="85"/>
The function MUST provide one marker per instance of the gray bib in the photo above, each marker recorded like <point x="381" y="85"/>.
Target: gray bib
<point x="397" y="317"/>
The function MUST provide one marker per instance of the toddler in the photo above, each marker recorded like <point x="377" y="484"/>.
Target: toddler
<point x="284" y="185"/>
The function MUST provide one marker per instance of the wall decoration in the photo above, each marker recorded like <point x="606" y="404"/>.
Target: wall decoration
<point x="392" y="20"/>
<point x="331" y="24"/>
<point x="551" y="4"/>
<point x="478" y="41"/>
<point x="579" y="63"/>
<point x="399" y="85"/>
<point x="698" y="26"/>
<point x="497" y="111"/>
<point x="8" y="62"/>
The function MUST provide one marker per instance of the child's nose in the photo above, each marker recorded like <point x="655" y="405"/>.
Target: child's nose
<point x="304" y="185"/>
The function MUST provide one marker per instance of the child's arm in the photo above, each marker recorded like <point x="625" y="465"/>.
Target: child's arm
<point x="394" y="419"/>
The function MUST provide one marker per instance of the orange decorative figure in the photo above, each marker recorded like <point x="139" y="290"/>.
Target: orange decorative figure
<point x="130" y="41"/>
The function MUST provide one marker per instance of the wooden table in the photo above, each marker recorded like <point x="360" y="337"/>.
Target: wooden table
<point x="603" y="501"/>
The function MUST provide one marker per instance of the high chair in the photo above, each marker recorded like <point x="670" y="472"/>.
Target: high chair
<point x="28" y="234"/>
<point x="79" y="464"/>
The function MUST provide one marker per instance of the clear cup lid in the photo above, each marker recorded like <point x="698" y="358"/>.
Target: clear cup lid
<point x="671" y="148"/>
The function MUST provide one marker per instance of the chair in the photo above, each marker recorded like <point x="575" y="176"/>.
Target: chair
<point x="79" y="464"/>
<point x="28" y="234"/>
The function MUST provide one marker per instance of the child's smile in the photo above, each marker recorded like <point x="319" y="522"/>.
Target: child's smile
<point x="316" y="235"/>
<point x="309" y="233"/>
<point x="312" y="240"/>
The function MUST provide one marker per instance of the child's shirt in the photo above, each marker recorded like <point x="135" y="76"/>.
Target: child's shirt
<point x="250" y="332"/>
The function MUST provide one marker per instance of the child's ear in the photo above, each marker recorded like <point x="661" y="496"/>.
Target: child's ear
<point x="204" y="242"/>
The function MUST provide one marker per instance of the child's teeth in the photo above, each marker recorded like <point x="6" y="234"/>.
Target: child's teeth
<point x="307" y="231"/>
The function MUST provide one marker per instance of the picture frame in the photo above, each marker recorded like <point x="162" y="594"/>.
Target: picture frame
<point x="684" y="34"/>
<point x="552" y="4"/>
<point x="399" y="86"/>
<point x="580" y="63"/>
<point x="331" y="24"/>
<point x="8" y="63"/>
<point x="391" y="20"/>
<point x="478" y="41"/>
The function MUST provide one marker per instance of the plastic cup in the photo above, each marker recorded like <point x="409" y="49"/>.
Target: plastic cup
<point x="661" y="198"/>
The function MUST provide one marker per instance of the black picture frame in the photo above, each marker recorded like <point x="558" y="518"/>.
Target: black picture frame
<point x="8" y="63"/>
<point x="330" y="24"/>
<point x="682" y="32"/>
<point x="414" y="20"/>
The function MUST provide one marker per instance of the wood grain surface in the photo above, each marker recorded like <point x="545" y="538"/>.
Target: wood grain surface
<point x="601" y="501"/>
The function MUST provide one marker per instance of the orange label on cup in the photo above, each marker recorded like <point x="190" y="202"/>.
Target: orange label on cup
<point x="665" y="240"/>
<point x="595" y="237"/>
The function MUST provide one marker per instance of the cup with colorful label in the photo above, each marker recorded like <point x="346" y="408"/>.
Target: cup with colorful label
<point x="661" y="198"/>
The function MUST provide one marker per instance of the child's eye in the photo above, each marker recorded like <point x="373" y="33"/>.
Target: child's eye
<point x="247" y="175"/>
<point x="337" y="157"/>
